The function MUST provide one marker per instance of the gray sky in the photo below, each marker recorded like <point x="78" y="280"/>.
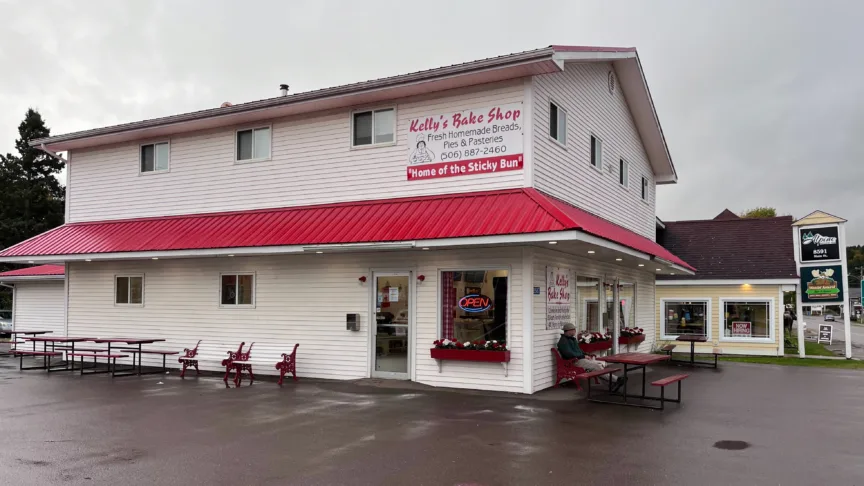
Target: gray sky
<point x="760" y="101"/>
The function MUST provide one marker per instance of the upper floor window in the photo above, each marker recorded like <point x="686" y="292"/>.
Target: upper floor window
<point x="129" y="290"/>
<point x="253" y="144"/>
<point x="154" y="157"/>
<point x="373" y="127"/>
<point x="596" y="152"/>
<point x="623" y="172"/>
<point x="644" y="188"/>
<point x="558" y="123"/>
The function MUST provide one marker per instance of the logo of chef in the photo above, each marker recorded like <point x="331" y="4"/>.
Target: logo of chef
<point x="818" y="239"/>
<point x="421" y="155"/>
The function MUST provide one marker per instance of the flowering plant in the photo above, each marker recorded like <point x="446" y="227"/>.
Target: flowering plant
<point x="479" y="345"/>
<point x="632" y="331"/>
<point x="586" y="337"/>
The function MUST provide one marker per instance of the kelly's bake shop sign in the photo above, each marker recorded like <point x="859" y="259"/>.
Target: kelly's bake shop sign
<point x="478" y="141"/>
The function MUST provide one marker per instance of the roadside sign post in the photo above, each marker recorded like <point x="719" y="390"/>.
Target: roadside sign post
<point x="820" y="255"/>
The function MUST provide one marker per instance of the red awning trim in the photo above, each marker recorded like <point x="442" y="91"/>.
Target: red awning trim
<point x="40" y="271"/>
<point x="478" y="214"/>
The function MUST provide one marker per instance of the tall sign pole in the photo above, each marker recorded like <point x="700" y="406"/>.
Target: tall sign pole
<point x="820" y="255"/>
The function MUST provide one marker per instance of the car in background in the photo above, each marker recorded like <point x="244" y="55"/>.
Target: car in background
<point x="829" y="317"/>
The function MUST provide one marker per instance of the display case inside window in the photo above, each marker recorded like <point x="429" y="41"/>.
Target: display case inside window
<point x="685" y="317"/>
<point x="746" y="320"/>
<point x="474" y="305"/>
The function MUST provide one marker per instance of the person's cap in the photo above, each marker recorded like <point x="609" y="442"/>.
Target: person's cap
<point x="569" y="327"/>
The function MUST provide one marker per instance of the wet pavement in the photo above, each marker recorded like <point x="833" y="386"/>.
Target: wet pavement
<point x="744" y="424"/>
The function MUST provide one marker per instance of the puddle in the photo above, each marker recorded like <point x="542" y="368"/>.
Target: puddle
<point x="731" y="445"/>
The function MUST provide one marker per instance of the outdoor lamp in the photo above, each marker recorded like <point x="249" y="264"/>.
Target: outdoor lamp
<point x="362" y="279"/>
<point x="421" y="277"/>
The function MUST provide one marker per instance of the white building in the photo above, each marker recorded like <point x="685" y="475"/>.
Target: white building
<point x="273" y="221"/>
<point x="38" y="298"/>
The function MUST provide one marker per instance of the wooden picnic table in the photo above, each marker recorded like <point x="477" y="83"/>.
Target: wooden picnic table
<point x="633" y="362"/>
<point x="14" y="335"/>
<point x="692" y="339"/>
<point x="139" y="342"/>
<point x="53" y="340"/>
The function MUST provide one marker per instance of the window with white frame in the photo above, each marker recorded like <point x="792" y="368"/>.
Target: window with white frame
<point x="253" y="144"/>
<point x="558" y="123"/>
<point x="154" y="157"/>
<point x="129" y="290"/>
<point x="474" y="305"/>
<point x="373" y="127"/>
<point x="746" y="319"/>
<point x="685" y="317"/>
<point x="644" y="188"/>
<point x="596" y="152"/>
<point x="623" y="172"/>
<point x="237" y="289"/>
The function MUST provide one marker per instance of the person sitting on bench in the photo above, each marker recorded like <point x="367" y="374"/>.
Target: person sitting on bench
<point x="569" y="348"/>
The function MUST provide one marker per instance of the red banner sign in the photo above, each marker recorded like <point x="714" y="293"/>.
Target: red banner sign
<point x="742" y="329"/>
<point x="485" y="165"/>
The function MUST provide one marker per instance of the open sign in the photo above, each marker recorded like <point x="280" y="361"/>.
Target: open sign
<point x="475" y="303"/>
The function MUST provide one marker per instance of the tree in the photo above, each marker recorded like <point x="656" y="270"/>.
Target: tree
<point x="31" y="198"/>
<point x="760" y="212"/>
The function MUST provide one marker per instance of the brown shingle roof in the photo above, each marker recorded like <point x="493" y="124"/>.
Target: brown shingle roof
<point x="743" y="248"/>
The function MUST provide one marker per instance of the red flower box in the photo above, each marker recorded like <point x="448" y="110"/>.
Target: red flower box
<point x="631" y="339"/>
<point x="471" y="355"/>
<point x="591" y="348"/>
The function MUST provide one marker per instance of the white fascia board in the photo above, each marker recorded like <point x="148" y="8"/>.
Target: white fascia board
<point x="576" y="56"/>
<point x="766" y="281"/>
<point x="681" y="269"/>
<point x="31" y="278"/>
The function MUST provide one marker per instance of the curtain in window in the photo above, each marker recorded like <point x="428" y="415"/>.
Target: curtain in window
<point x="448" y="302"/>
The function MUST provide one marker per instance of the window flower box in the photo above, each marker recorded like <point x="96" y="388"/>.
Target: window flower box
<point x="628" y="340"/>
<point x="595" y="347"/>
<point x="471" y="355"/>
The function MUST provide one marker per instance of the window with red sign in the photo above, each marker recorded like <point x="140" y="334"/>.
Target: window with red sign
<point x="746" y="320"/>
<point x="474" y="305"/>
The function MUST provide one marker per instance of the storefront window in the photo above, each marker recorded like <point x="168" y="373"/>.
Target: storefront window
<point x="746" y="320"/>
<point x="586" y="295"/>
<point x="685" y="317"/>
<point x="474" y="305"/>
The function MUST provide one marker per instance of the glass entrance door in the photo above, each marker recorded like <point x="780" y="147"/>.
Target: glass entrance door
<point x="393" y="309"/>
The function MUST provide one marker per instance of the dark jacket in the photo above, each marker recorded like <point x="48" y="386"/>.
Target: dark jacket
<point x="569" y="347"/>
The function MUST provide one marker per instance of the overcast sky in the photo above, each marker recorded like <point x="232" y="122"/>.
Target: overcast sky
<point x="762" y="102"/>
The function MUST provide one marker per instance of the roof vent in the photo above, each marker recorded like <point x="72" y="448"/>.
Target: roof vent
<point x="284" y="89"/>
<point x="225" y="105"/>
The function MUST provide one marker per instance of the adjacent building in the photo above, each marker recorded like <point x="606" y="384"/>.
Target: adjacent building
<point x="366" y="221"/>
<point x="38" y="298"/>
<point x="746" y="265"/>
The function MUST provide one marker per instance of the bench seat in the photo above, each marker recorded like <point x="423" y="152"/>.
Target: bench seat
<point x="98" y="355"/>
<point x="669" y="380"/>
<point x="37" y="353"/>
<point x="596" y="373"/>
<point x="94" y="350"/>
<point x="149" y="351"/>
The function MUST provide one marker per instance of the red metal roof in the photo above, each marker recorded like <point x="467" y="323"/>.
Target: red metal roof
<point x="515" y="211"/>
<point x="40" y="271"/>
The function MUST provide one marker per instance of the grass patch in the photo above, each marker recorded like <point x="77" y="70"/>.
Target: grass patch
<point x="816" y="349"/>
<point x="776" y="360"/>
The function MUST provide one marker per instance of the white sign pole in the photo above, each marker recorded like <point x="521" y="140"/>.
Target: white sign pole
<point x="847" y="324"/>
<point x="799" y="306"/>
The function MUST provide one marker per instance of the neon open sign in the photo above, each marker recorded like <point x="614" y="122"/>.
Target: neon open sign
<point x="475" y="303"/>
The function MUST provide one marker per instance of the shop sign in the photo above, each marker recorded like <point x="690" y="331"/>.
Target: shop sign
<point x="742" y="329"/>
<point x="557" y="297"/>
<point x="477" y="141"/>
<point x="819" y="244"/>
<point x="475" y="303"/>
<point x="822" y="284"/>
<point x="826" y="333"/>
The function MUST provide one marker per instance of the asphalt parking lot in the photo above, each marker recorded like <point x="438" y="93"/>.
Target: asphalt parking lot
<point x="789" y="426"/>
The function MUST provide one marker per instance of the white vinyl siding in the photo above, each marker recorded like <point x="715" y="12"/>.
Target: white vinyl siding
<point x="545" y="340"/>
<point x="299" y="299"/>
<point x="582" y="89"/>
<point x="39" y="306"/>
<point x="311" y="162"/>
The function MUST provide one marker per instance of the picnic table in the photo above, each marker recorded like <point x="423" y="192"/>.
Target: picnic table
<point x="139" y="351"/>
<point x="693" y="339"/>
<point x="47" y="355"/>
<point x="633" y="362"/>
<point x="15" y="335"/>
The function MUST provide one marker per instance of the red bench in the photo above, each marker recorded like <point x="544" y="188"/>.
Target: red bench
<point x="663" y="382"/>
<point x="189" y="358"/>
<point x="287" y="365"/>
<point x="239" y="362"/>
<point x="596" y="374"/>
<point x="567" y="369"/>
<point x="46" y="355"/>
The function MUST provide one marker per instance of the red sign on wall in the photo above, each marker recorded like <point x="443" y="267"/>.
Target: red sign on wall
<point x="465" y="167"/>
<point x="742" y="329"/>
